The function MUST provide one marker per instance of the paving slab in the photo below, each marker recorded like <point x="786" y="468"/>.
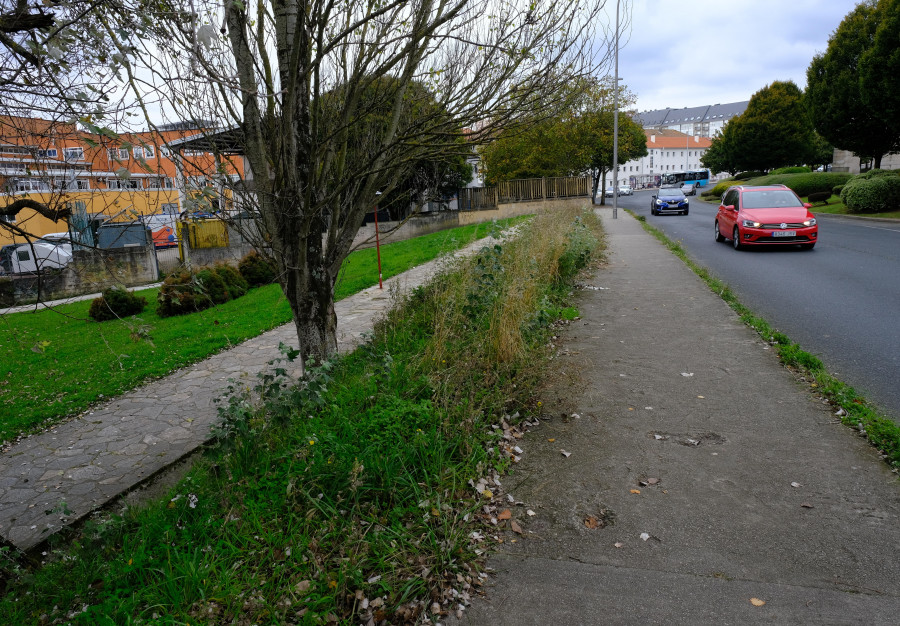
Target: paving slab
<point x="702" y="474"/>
<point x="53" y="479"/>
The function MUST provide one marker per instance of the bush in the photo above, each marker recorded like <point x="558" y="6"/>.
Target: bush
<point x="720" y="188"/>
<point x="819" y="196"/>
<point x="872" y="194"/>
<point x="805" y="184"/>
<point x="877" y="173"/>
<point x="791" y="170"/>
<point x="115" y="303"/>
<point x="257" y="270"/>
<point x="186" y="292"/>
<point x="836" y="190"/>
<point x="749" y="175"/>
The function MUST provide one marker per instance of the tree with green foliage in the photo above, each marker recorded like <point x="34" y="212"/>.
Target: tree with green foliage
<point x="535" y="151"/>
<point x="845" y="85"/>
<point x="592" y="139"/>
<point x="821" y="152"/>
<point x="879" y="69"/>
<point x="775" y="129"/>
<point x="721" y="154"/>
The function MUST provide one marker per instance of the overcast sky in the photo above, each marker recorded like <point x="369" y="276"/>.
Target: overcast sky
<point x="686" y="53"/>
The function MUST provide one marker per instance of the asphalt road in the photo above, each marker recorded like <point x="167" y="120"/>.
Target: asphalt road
<point x="839" y="301"/>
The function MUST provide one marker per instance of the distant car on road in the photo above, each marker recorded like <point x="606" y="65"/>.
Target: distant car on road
<point x="765" y="215"/>
<point x="689" y="189"/>
<point x="669" y="200"/>
<point x="626" y="190"/>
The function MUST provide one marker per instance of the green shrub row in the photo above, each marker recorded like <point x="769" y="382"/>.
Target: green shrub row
<point x="805" y="184"/>
<point x="802" y="169"/>
<point x="115" y="303"/>
<point x="186" y="291"/>
<point x="257" y="270"/>
<point x="748" y="175"/>
<point x="872" y="192"/>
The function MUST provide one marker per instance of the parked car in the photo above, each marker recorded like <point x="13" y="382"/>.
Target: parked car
<point x="689" y="189"/>
<point x="669" y="200"/>
<point x="626" y="190"/>
<point x="765" y="215"/>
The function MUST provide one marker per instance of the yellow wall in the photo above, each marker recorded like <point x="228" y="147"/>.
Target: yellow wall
<point x="130" y="203"/>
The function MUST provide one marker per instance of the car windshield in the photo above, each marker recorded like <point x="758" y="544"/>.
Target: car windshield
<point x="673" y="192"/>
<point x="770" y="199"/>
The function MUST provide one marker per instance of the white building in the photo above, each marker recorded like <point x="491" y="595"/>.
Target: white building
<point x="704" y="121"/>
<point x="668" y="151"/>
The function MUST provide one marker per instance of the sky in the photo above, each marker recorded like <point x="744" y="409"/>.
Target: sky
<point x="686" y="53"/>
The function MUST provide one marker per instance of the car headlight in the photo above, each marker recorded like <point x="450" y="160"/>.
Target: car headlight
<point x="810" y="222"/>
<point x="658" y="202"/>
<point x="750" y="224"/>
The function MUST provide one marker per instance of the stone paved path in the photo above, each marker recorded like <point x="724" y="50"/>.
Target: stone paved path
<point x="60" y="476"/>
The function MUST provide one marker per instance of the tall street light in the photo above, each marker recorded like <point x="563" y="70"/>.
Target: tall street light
<point x="616" y="124"/>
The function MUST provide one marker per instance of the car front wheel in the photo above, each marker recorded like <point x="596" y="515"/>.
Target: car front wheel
<point x="719" y="237"/>
<point x="736" y="239"/>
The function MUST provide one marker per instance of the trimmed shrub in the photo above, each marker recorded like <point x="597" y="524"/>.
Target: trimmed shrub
<point x="115" y="303"/>
<point x="878" y="173"/>
<point x="187" y="292"/>
<point x="234" y="282"/>
<point x="873" y="194"/>
<point x="749" y="175"/>
<point x="805" y="184"/>
<point x="819" y="196"/>
<point x="791" y="170"/>
<point x="720" y="188"/>
<point x="836" y="190"/>
<point x="257" y="270"/>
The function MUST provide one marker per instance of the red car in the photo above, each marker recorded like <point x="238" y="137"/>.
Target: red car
<point x="770" y="215"/>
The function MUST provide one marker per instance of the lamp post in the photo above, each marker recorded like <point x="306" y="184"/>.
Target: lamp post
<point x="616" y="124"/>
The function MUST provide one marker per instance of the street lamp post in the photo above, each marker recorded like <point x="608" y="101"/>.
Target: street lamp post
<point x="616" y="124"/>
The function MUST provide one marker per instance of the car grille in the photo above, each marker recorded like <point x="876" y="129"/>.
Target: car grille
<point x="799" y="239"/>
<point x="789" y="226"/>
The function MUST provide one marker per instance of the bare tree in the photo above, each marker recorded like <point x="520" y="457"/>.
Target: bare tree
<point x="333" y="101"/>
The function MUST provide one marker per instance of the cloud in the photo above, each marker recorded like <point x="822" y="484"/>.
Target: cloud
<point x="684" y="53"/>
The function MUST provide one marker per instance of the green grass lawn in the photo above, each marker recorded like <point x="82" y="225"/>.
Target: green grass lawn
<point x="58" y="362"/>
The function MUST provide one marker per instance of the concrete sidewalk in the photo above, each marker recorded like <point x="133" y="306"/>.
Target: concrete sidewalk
<point x="53" y="479"/>
<point x="704" y="479"/>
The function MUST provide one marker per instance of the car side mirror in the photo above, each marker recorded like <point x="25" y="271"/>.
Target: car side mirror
<point x="653" y="196"/>
<point x="807" y="205"/>
<point x="730" y="207"/>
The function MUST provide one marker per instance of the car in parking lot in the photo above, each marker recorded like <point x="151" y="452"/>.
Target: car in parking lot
<point x="765" y="215"/>
<point x="669" y="200"/>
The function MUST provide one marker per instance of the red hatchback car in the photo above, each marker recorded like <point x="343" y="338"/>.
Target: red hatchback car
<point x="770" y="215"/>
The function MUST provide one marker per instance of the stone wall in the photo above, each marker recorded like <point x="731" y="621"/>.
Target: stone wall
<point x="846" y="161"/>
<point x="90" y="271"/>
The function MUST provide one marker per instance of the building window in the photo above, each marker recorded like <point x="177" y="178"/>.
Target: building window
<point x="138" y="152"/>
<point x="83" y="184"/>
<point x="169" y="208"/>
<point x="115" y="183"/>
<point x="73" y="154"/>
<point x="48" y="153"/>
<point x="148" y="152"/>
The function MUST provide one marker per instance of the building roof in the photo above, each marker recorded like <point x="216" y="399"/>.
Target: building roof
<point x="686" y="115"/>
<point x="666" y="138"/>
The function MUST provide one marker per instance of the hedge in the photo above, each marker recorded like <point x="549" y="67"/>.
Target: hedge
<point x="872" y="194"/>
<point x="115" y="303"/>
<point x="801" y="169"/>
<point x="186" y="292"/>
<point x="805" y="184"/>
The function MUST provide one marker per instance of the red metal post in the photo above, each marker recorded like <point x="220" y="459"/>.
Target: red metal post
<point x="378" y="248"/>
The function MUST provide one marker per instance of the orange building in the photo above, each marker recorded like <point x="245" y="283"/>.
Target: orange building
<point x="98" y="176"/>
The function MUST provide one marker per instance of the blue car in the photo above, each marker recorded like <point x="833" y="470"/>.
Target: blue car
<point x="669" y="200"/>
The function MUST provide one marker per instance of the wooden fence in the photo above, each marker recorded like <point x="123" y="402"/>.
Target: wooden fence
<point x="525" y="190"/>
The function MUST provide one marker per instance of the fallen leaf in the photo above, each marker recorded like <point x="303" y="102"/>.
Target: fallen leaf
<point x="565" y="454"/>
<point x="687" y="374"/>
<point x="645" y="536"/>
<point x="591" y="522"/>
<point x="618" y="544"/>
<point x="652" y="481"/>
<point x="795" y="485"/>
<point x="631" y="408"/>
<point x="487" y="493"/>
<point x="302" y="586"/>
<point x="515" y="527"/>
<point x="635" y="491"/>
<point x="505" y="514"/>
<point x="757" y="602"/>
<point x="702" y="397"/>
<point x="531" y="513"/>
<point x="551" y="440"/>
<point x="807" y="505"/>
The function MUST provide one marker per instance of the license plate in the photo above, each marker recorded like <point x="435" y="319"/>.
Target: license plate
<point x="784" y="233"/>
